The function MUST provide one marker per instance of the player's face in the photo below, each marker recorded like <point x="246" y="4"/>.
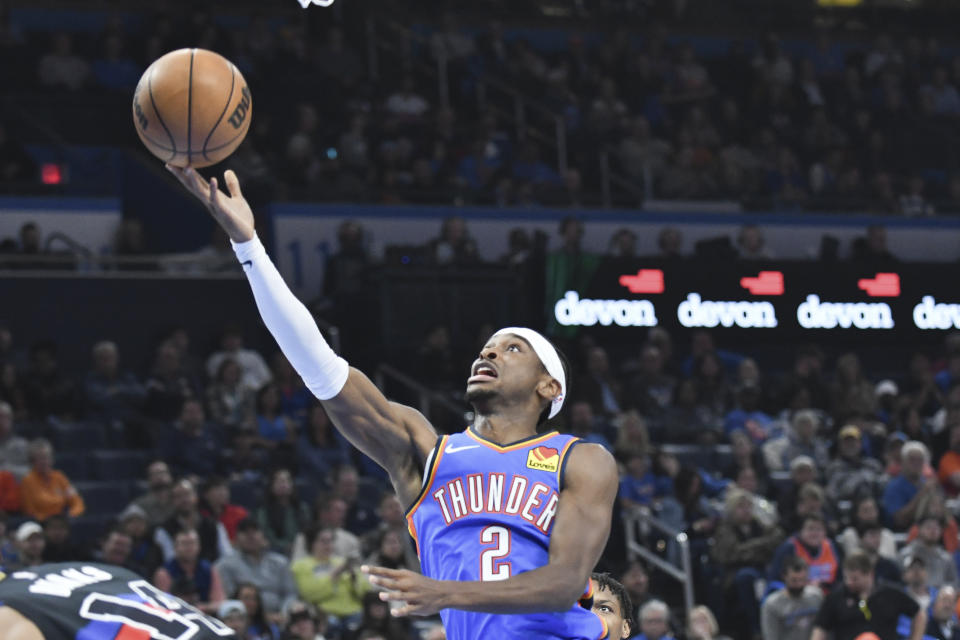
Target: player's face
<point x="507" y="365"/>
<point x="607" y="606"/>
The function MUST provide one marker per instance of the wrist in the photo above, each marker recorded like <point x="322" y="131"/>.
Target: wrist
<point x="248" y="249"/>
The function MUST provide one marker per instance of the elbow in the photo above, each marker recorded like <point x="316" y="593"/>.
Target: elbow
<point x="562" y="596"/>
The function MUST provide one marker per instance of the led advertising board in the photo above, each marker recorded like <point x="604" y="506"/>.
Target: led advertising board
<point x="788" y="298"/>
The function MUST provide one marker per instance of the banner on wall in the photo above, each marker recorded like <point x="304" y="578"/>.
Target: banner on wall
<point x="789" y="298"/>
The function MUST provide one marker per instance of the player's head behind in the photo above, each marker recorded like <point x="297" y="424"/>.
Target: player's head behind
<point x="612" y="603"/>
<point x="519" y="367"/>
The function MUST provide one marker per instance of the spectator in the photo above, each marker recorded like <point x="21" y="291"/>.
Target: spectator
<point x="281" y="514"/>
<point x="788" y="613"/>
<point x="156" y="503"/>
<point x="948" y="470"/>
<point x="320" y="448"/>
<point x="17" y="166"/>
<point x="29" y="543"/>
<point x="360" y="508"/>
<point x="187" y="564"/>
<point x="46" y="491"/>
<point x="860" y="606"/>
<point x="255" y="372"/>
<point x="636" y="581"/>
<point x="168" y="386"/>
<point x="455" y="245"/>
<point x="61" y="68"/>
<point x="47" y="390"/>
<point x="685" y="421"/>
<point x="9" y="492"/>
<point x="650" y="388"/>
<point x="333" y="583"/>
<point x="944" y="623"/>
<point x="598" y="386"/>
<point x="866" y="514"/>
<point x="390" y="517"/>
<point x="654" y="621"/>
<point x="191" y="446"/>
<point x="742" y="546"/>
<point x="376" y="621"/>
<point x="752" y="244"/>
<point x="331" y="513"/>
<point x="216" y="505"/>
<point x="260" y="621"/>
<point x="904" y="493"/>
<point x="851" y="474"/>
<point x="304" y="622"/>
<point x="747" y="416"/>
<point x="13" y="448"/>
<point x="230" y="401"/>
<point x="57" y="544"/>
<point x="640" y="487"/>
<point x="886" y="570"/>
<point x="915" y="580"/>
<point x="113" y="395"/>
<point x="234" y="615"/>
<point x="934" y="504"/>
<point x="145" y="553"/>
<point x="255" y="564"/>
<point x="115" y="548"/>
<point x="871" y="251"/>
<point x="586" y="426"/>
<point x="813" y="546"/>
<point x="804" y="440"/>
<point x="702" y="625"/>
<point x="295" y="398"/>
<point x="940" y="565"/>
<point x="274" y="428"/>
<point x="214" y="542"/>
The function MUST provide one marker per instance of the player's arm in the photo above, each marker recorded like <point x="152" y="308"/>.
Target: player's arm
<point x="13" y="626"/>
<point x="385" y="431"/>
<point x="818" y="634"/>
<point x="578" y="537"/>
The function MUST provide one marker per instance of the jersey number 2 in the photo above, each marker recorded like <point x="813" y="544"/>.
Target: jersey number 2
<point x="492" y="565"/>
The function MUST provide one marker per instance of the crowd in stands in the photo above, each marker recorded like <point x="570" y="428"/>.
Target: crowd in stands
<point x="250" y="505"/>
<point x="813" y="120"/>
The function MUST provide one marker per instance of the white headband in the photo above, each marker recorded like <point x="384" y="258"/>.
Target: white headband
<point x="548" y="356"/>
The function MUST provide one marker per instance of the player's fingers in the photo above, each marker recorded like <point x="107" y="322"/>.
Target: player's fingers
<point x="401" y="612"/>
<point x="386" y="596"/>
<point x="212" y="194"/>
<point x="233" y="185"/>
<point x="380" y="571"/>
<point x="383" y="581"/>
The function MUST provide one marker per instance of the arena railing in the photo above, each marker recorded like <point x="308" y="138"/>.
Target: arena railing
<point x="637" y="524"/>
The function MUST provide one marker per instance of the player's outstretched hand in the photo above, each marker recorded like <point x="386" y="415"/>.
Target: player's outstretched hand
<point x="232" y="213"/>
<point x="423" y="596"/>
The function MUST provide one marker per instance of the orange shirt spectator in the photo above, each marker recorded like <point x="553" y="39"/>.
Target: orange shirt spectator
<point x="949" y="470"/>
<point x="951" y="535"/>
<point x="9" y="492"/>
<point x="45" y="491"/>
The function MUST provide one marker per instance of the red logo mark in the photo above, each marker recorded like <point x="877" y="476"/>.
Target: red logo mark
<point x="646" y="281"/>
<point x="767" y="283"/>
<point x="884" y="285"/>
<point x="544" y="454"/>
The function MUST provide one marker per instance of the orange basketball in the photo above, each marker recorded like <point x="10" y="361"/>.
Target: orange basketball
<point x="192" y="108"/>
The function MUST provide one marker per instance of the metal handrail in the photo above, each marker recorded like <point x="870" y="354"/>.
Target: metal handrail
<point x="640" y="519"/>
<point x="426" y="396"/>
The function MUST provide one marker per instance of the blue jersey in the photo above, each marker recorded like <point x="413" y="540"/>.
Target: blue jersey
<point x="485" y="513"/>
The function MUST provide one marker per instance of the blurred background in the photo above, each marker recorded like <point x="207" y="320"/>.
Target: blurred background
<point x="739" y="220"/>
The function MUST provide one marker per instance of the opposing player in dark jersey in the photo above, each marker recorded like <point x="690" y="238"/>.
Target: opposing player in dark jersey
<point x="91" y="601"/>
<point x="612" y="603"/>
<point x="508" y="523"/>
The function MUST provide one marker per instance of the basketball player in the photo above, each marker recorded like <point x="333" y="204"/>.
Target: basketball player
<point x="506" y="521"/>
<point x="90" y="601"/>
<point x="612" y="603"/>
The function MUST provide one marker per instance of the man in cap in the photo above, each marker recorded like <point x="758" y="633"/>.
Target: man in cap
<point x="30" y="544"/>
<point x="852" y="475"/>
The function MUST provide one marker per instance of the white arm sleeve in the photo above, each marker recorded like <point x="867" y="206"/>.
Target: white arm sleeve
<point x="292" y="326"/>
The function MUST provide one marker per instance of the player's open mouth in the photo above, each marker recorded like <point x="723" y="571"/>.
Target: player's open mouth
<point x="482" y="372"/>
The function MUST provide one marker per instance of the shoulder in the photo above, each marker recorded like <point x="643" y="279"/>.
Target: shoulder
<point x="590" y="463"/>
